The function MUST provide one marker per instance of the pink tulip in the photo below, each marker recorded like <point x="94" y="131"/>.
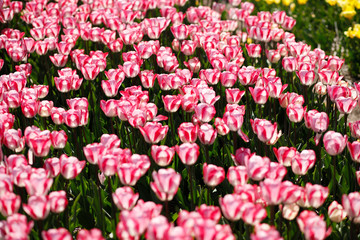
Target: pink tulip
<point x="285" y="155"/>
<point x="334" y="142"/>
<point x="276" y="171"/>
<point x="158" y="228"/>
<point x="125" y="198"/>
<point x="265" y="130"/>
<point x="354" y="149"/>
<point x="270" y="190"/>
<point x="212" y="213"/>
<point x="58" y="201"/>
<point x="18" y="226"/>
<point x="253" y="50"/>
<point x="234" y="118"/>
<point x="9" y="204"/>
<point x="60" y="233"/>
<point x="188" y="153"/>
<point x="13" y="140"/>
<point x="312" y="225"/>
<point x="207" y="134"/>
<point x="257" y="167"/>
<point x="188" y="132"/>
<point x="38" y="207"/>
<point x="265" y="231"/>
<point x="213" y="175"/>
<point x="336" y="212"/>
<point x="306" y="77"/>
<point x="58" y="139"/>
<point x="295" y="112"/>
<point x="303" y="161"/>
<point x="70" y="167"/>
<point x="290" y="211"/>
<point x="253" y="214"/>
<point x="316" y="194"/>
<point x="128" y="174"/>
<point x="94" y="234"/>
<point x="162" y="155"/>
<point x="171" y="102"/>
<point x="193" y="64"/>
<point x="231" y="206"/>
<point x="237" y="175"/>
<point x="233" y="95"/>
<point x="212" y="76"/>
<point x="290" y="64"/>
<point x="153" y="132"/>
<point x="166" y="183"/>
<point x="345" y="104"/>
<point x="221" y="127"/>
<point x="351" y="204"/>
<point x="355" y="129"/>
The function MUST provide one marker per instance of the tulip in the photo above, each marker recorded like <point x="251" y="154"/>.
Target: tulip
<point x="270" y="190"/>
<point x="354" y="149"/>
<point x="231" y="206"/>
<point x="221" y="127"/>
<point x="302" y="162"/>
<point x="129" y="174"/>
<point x="125" y="198"/>
<point x="9" y="204"/>
<point x="253" y="50"/>
<point x="265" y="130"/>
<point x="166" y="183"/>
<point x="60" y="233"/>
<point x="237" y="175"/>
<point x="18" y="226"/>
<point x="295" y="112"/>
<point x="259" y="94"/>
<point x="345" y="104"/>
<point x="153" y="132"/>
<point x="253" y="214"/>
<point x="94" y="234"/>
<point x="233" y="95"/>
<point x="207" y="134"/>
<point x="38" y="207"/>
<point x="276" y="171"/>
<point x="188" y="132"/>
<point x="162" y="155"/>
<point x="171" y="102"/>
<point x="213" y="175"/>
<point x="70" y="167"/>
<point x="266" y="230"/>
<point x="257" y="167"/>
<point x="355" y="129"/>
<point x="336" y="212"/>
<point x="351" y="205"/>
<point x="188" y="153"/>
<point x="157" y="228"/>
<point x="290" y="211"/>
<point x="334" y="142"/>
<point x="58" y="201"/>
<point x="316" y="194"/>
<point x="285" y="155"/>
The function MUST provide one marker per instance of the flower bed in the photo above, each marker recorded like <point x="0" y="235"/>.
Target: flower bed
<point x="169" y="120"/>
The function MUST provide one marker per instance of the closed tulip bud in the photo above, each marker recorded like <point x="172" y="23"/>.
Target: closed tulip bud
<point x="237" y="175"/>
<point x="166" y="183"/>
<point x="125" y="198"/>
<point x="231" y="206"/>
<point x="290" y="64"/>
<point x="58" y="201"/>
<point x="316" y="194"/>
<point x="128" y="174"/>
<point x="336" y="212"/>
<point x="188" y="153"/>
<point x="188" y="132"/>
<point x="171" y="102"/>
<point x="345" y="104"/>
<point x="58" y="139"/>
<point x="9" y="204"/>
<point x="207" y="134"/>
<point x="253" y="50"/>
<point x="162" y="155"/>
<point x="233" y="95"/>
<point x="213" y="175"/>
<point x="270" y="190"/>
<point x="221" y="127"/>
<point x="354" y="149"/>
<point x="290" y="211"/>
<point x="334" y="142"/>
<point x="257" y="167"/>
<point x="295" y="112"/>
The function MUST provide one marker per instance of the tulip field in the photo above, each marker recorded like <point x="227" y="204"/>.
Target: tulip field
<point x="179" y="119"/>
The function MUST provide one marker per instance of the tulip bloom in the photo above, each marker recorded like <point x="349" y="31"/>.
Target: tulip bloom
<point x="162" y="155"/>
<point x="354" y="149"/>
<point x="336" y="212"/>
<point x="166" y="183"/>
<point x="207" y="134"/>
<point x="188" y="153"/>
<point x="265" y="130"/>
<point x="213" y="175"/>
<point x="153" y="132"/>
<point x="125" y="198"/>
<point x="334" y="142"/>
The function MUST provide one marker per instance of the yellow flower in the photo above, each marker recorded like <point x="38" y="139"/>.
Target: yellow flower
<point x="348" y="12"/>
<point x="301" y="2"/>
<point x="292" y="6"/>
<point x="331" y="2"/>
<point x="269" y="1"/>
<point x="286" y="2"/>
<point x="277" y="1"/>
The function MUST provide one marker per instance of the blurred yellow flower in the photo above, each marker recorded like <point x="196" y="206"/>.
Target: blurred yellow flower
<point x="353" y="31"/>
<point x="348" y="12"/>
<point x="286" y="2"/>
<point x="292" y="6"/>
<point x="331" y="2"/>
<point x="301" y="2"/>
